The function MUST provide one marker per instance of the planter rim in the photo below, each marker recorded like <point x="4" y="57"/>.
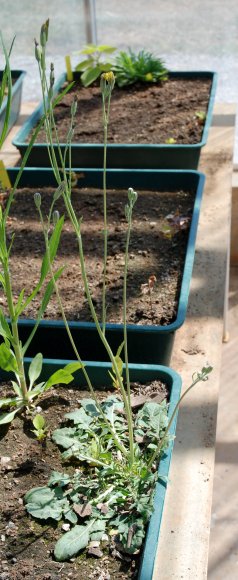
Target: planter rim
<point x="20" y="138"/>
<point x="188" y="263"/>
<point x="20" y="76"/>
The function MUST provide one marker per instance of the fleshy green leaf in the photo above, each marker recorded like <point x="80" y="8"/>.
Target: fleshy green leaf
<point x="58" y="478"/>
<point x="79" y="417"/>
<point x="39" y="495"/>
<point x="90" y="407"/>
<point x="72" y="542"/>
<point x="35" y="368"/>
<point x="38" y="422"/>
<point x="64" y="437"/>
<point x="52" y="510"/>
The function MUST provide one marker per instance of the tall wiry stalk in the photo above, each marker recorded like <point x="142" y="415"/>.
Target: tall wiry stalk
<point x="107" y="84"/>
<point x="108" y="81"/>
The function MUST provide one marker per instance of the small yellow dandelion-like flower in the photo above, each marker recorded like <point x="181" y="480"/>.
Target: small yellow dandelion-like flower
<point x="107" y="82"/>
<point x="109" y="77"/>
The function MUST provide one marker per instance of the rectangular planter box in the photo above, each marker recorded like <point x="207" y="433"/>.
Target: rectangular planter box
<point x="17" y="78"/>
<point x="161" y="156"/>
<point x="98" y="373"/>
<point x="148" y="344"/>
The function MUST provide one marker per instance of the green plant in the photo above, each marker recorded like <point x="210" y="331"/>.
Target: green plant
<point x="106" y="494"/>
<point x="27" y="390"/>
<point x="201" y="117"/>
<point x="93" y="66"/>
<point x="118" y="450"/>
<point x="41" y="429"/>
<point x="6" y="89"/>
<point x="130" y="67"/>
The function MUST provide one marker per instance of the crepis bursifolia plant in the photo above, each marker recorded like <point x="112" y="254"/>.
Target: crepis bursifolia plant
<point x="113" y="487"/>
<point x="26" y="386"/>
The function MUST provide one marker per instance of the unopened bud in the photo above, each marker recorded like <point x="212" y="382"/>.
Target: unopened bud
<point x="74" y="107"/>
<point x="37" y="51"/>
<point x="37" y="199"/>
<point x="56" y="217"/>
<point x="44" y="33"/>
<point x="132" y="196"/>
<point x="60" y="189"/>
<point x="52" y="75"/>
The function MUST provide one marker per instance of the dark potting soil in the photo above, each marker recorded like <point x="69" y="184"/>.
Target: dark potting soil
<point x="139" y="113"/>
<point x="150" y="254"/>
<point x="26" y="546"/>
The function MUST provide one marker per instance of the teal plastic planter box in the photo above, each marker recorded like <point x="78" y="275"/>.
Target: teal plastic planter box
<point x="99" y="376"/>
<point x="17" y="79"/>
<point x="120" y="155"/>
<point x="148" y="344"/>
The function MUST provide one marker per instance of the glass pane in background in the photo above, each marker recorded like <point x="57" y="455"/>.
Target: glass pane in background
<point x="187" y="34"/>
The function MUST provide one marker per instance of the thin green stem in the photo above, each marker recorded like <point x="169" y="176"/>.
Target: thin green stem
<point x="16" y="341"/>
<point x="201" y="377"/>
<point x="118" y="443"/>
<point x="130" y="425"/>
<point x="105" y="230"/>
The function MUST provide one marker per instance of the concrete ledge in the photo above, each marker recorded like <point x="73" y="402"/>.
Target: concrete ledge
<point x="184" y="539"/>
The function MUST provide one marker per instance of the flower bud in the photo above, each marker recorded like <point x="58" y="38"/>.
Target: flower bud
<point x="107" y="83"/>
<point x="37" y="51"/>
<point x="44" y="33"/>
<point x="74" y="107"/>
<point x="60" y="189"/>
<point x="37" y="199"/>
<point x="52" y="75"/>
<point x="56" y="217"/>
<point x="132" y="196"/>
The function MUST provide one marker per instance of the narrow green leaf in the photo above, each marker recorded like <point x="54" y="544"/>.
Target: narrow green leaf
<point x="59" y="377"/>
<point x="2" y="280"/>
<point x="74" y="366"/>
<point x="8" y="417"/>
<point x="8" y="401"/>
<point x="53" y="246"/>
<point x="44" y="302"/>
<point x="4" y="327"/>
<point x="7" y="359"/>
<point x="19" y="302"/>
<point x="16" y="388"/>
<point x="35" y="368"/>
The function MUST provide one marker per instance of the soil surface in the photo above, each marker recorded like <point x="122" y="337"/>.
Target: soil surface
<point x="140" y="113"/>
<point x="151" y="254"/>
<point x="26" y="546"/>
